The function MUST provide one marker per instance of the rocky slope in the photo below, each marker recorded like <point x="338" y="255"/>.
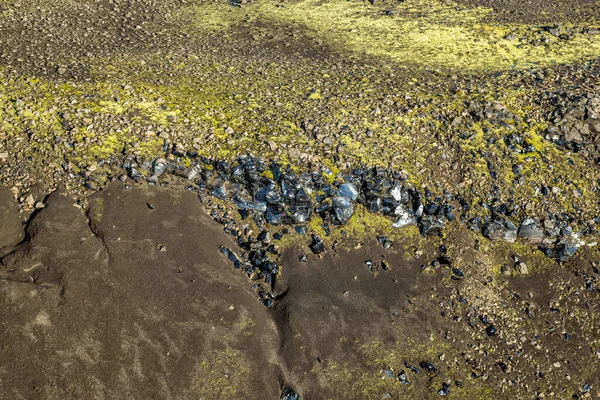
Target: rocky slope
<point x="397" y="187"/>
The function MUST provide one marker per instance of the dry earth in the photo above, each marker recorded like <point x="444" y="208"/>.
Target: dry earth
<point x="132" y="299"/>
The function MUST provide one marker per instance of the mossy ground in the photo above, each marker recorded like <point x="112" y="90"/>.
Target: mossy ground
<point x="429" y="34"/>
<point x="403" y="75"/>
<point x="128" y="113"/>
<point x="224" y="375"/>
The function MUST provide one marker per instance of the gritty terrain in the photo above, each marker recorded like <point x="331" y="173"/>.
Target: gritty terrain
<point x="260" y="199"/>
<point x="132" y="299"/>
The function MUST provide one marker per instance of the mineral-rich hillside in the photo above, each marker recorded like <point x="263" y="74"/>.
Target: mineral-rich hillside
<point x="408" y="189"/>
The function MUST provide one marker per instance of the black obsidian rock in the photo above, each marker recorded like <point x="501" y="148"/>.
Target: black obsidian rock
<point x="491" y="330"/>
<point x="428" y="366"/>
<point x="445" y="390"/>
<point x="290" y="394"/>
<point x="317" y="246"/>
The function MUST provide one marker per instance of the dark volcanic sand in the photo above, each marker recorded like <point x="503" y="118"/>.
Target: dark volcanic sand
<point x="96" y="310"/>
<point x="11" y="232"/>
<point x="132" y="299"/>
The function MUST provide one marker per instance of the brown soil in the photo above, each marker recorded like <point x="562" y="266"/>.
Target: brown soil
<point x="131" y="298"/>
<point x="12" y="231"/>
<point x="136" y="303"/>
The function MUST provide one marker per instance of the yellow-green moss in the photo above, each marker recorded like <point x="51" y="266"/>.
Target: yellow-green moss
<point x="98" y="207"/>
<point x="224" y="374"/>
<point x="363" y="379"/>
<point x="110" y="145"/>
<point x="420" y="32"/>
<point x="498" y="252"/>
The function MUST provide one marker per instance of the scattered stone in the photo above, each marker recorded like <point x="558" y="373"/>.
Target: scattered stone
<point x="372" y="266"/>
<point x="301" y="230"/>
<point x="231" y="256"/>
<point x="265" y="237"/>
<point x="428" y="366"/>
<point x="576" y="124"/>
<point x="412" y="367"/>
<point x="491" y="330"/>
<point x="287" y="198"/>
<point x="159" y="166"/>
<point x="290" y="394"/>
<point x="500" y="229"/>
<point x="343" y="209"/>
<point x="565" y="249"/>
<point x="531" y="231"/>
<point x="445" y="390"/>
<point x="317" y="246"/>
<point x="431" y="225"/>
<point x="348" y="190"/>
<point x="402" y="378"/>
<point x="385" y="265"/>
<point x="404" y="219"/>
<point x="385" y="242"/>
<point x="587" y="387"/>
<point x="457" y="274"/>
<point x="522" y="268"/>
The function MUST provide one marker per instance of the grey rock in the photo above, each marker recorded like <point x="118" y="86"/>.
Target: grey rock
<point x="159" y="166"/>
<point x="290" y="394"/>
<point x="404" y="217"/>
<point x="531" y="231"/>
<point x="317" y="246"/>
<point x="496" y="230"/>
<point x="343" y="209"/>
<point x="348" y="190"/>
<point x="574" y="136"/>
<point x="430" y="225"/>
<point x="565" y="249"/>
<point x="510" y="234"/>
